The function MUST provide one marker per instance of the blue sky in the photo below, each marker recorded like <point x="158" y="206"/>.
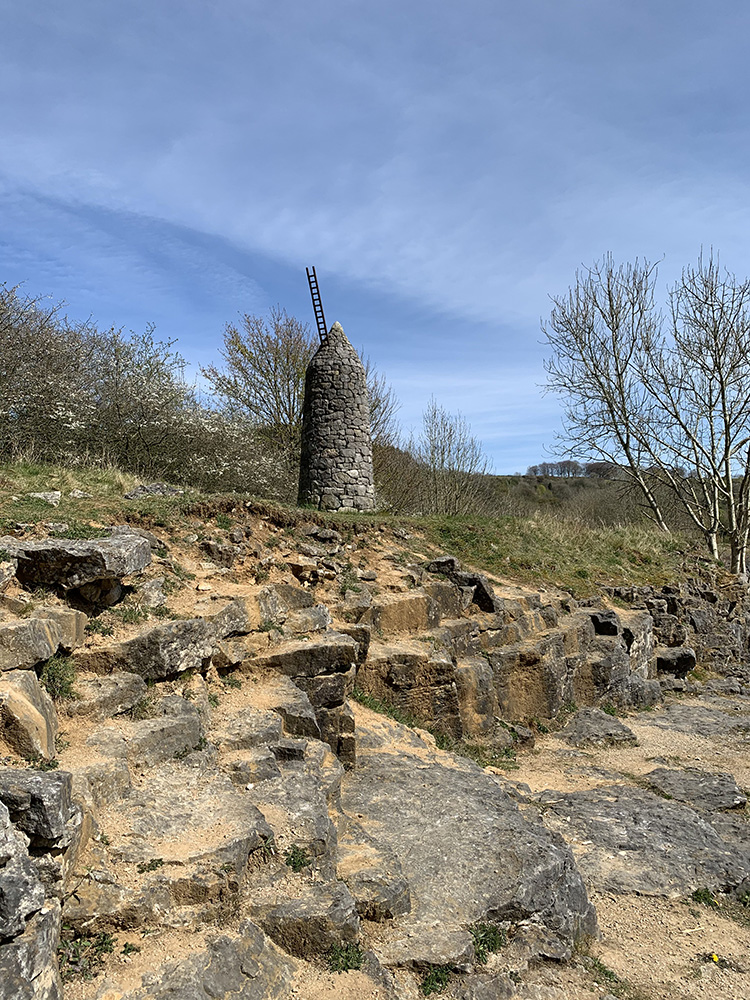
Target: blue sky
<point x="446" y="167"/>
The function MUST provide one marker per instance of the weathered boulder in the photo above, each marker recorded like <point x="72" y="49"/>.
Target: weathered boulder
<point x="71" y="563"/>
<point x="677" y="660"/>
<point x="21" y="892"/>
<point x="330" y="653"/>
<point x="282" y="695"/>
<point x="27" y="642"/>
<point x="409" y="612"/>
<point x="462" y="844"/>
<point x="235" y="618"/>
<point x="248" y="728"/>
<point x="28" y="963"/>
<point x="630" y="840"/>
<point x="72" y="624"/>
<point x="413" y="679"/>
<point x="707" y="792"/>
<point x="593" y="727"/>
<point x="315" y="619"/>
<point x="246" y="966"/>
<point x="28" y="720"/>
<point x="477" y="699"/>
<point x="374" y="877"/>
<point x="175" y="732"/>
<point x="38" y="802"/>
<point x="327" y="690"/>
<point x="312" y="923"/>
<point x="103" y="697"/>
<point x="156" y="654"/>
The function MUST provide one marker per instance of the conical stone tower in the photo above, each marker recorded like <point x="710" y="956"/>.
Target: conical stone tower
<point x="336" y="463"/>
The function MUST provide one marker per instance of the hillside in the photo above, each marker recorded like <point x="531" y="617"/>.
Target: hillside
<point x="305" y="755"/>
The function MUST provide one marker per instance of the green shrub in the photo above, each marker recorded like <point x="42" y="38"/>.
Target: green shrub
<point x="343" y="957"/>
<point x="81" y="956"/>
<point x="58" y="677"/>
<point x="436" y="980"/>
<point x="297" y="858"/>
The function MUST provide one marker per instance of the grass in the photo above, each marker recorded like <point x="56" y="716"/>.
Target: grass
<point x="149" y="866"/>
<point x="705" y="897"/>
<point x="297" y="858"/>
<point x="82" y="956"/>
<point x="58" y="677"/>
<point x="488" y="938"/>
<point x="541" y="547"/>
<point x="549" y="548"/>
<point x="436" y="980"/>
<point x="343" y="957"/>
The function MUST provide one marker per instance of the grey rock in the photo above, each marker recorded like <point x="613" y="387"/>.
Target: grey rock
<point x="153" y="540"/>
<point x="312" y="923"/>
<point x="677" y="660"/>
<point x="153" y="490"/>
<point x="234" y="967"/>
<point x="107" y="781"/>
<point x="314" y="619"/>
<point x="72" y="624"/>
<point x="330" y="653"/>
<point x="39" y="802"/>
<point x="477" y="850"/>
<point x="328" y="690"/>
<point x="630" y="840"/>
<point x="374" y="877"/>
<point x="28" y="963"/>
<point x="294" y="707"/>
<point x="28" y="720"/>
<point x="606" y="622"/>
<point x="233" y="619"/>
<point x="708" y="792"/>
<point x="72" y="563"/>
<point x="258" y="764"/>
<point x="151" y="594"/>
<point x="287" y="749"/>
<point x="292" y="597"/>
<point x="592" y="727"/>
<point x="52" y="497"/>
<point x="156" y="654"/>
<point x="103" y="697"/>
<point x="21" y="892"/>
<point x="27" y="642"/>
<point x="188" y="816"/>
<point x="174" y="733"/>
<point x="247" y="729"/>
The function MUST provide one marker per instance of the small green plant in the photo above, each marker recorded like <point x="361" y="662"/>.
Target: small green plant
<point x="488" y="938"/>
<point x="297" y="858"/>
<point x="79" y="529"/>
<point x="261" y="574"/>
<point x="213" y="700"/>
<point x="130" y="949"/>
<point x="267" y="849"/>
<point x="436" y="980"/>
<point x="61" y="743"/>
<point x="149" y="866"/>
<point x="705" y="897"/>
<point x="130" y="614"/>
<point x="96" y="627"/>
<point x="231" y="681"/>
<point x="343" y="957"/>
<point x="58" y="677"/>
<point x="44" y="763"/>
<point x="267" y="626"/>
<point x="104" y="839"/>
<point x="609" y="708"/>
<point x="224" y="522"/>
<point x="82" y="956"/>
<point x="181" y="573"/>
<point x="144" y="709"/>
<point x="4" y="555"/>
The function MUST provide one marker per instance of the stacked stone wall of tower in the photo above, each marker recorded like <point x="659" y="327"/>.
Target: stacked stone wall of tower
<point x="336" y="462"/>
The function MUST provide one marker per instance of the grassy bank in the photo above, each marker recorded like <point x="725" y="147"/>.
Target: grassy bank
<point x="541" y="548"/>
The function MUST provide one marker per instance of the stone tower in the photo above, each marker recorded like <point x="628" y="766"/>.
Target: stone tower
<point x="336" y="465"/>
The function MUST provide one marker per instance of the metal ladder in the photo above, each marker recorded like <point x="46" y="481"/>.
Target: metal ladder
<point x="320" y="319"/>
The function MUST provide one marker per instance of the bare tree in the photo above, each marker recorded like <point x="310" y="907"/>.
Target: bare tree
<point x="452" y="461"/>
<point x="263" y="379"/>
<point x="264" y="375"/>
<point x="667" y="399"/>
